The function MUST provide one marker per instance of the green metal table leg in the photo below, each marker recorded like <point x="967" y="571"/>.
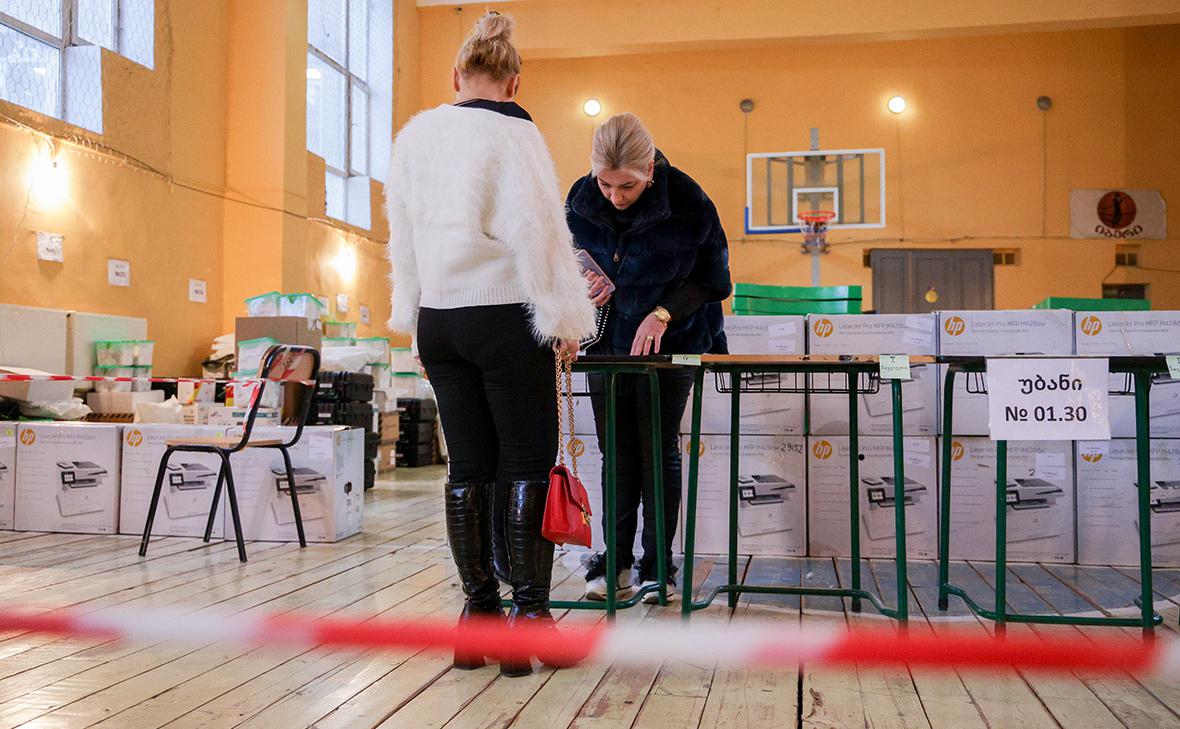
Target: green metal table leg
<point x="690" y="506"/>
<point x="899" y="506"/>
<point x="734" y="459"/>
<point x="1143" y="457"/>
<point x="1001" y="536"/>
<point x="854" y="483"/>
<point x="609" y="495"/>
<point x="657" y="480"/>
<point x="944" y="502"/>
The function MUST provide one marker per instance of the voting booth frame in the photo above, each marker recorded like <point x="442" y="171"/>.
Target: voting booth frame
<point x="860" y="375"/>
<point x="797" y="374"/>
<point x="1140" y="372"/>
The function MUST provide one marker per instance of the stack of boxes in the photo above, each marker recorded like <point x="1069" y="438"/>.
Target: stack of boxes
<point x="828" y="444"/>
<point x="772" y="515"/>
<point x="416" y="444"/>
<point x="1040" y="487"/>
<point x="1108" y="520"/>
<point x="346" y="399"/>
<point x="98" y="479"/>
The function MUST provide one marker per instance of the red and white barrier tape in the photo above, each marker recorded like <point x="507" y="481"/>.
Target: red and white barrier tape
<point x="8" y="377"/>
<point x="754" y="643"/>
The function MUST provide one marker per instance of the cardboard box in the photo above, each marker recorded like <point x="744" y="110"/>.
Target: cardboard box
<point x="1040" y="500"/>
<point x="590" y="473"/>
<point x="765" y="413"/>
<point x="386" y="457"/>
<point x="121" y="402"/>
<point x="68" y="477"/>
<point x="1108" y="507"/>
<point x="7" y="473"/>
<point x="827" y="497"/>
<point x="282" y="329"/>
<point x="187" y="494"/>
<point x="876" y="334"/>
<point x="329" y="476"/>
<point x="1131" y="333"/>
<point x="1031" y="331"/>
<point x="34" y="390"/>
<point x="772" y="495"/>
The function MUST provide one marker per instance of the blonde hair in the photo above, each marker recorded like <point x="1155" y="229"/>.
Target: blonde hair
<point x="488" y="49"/>
<point x="622" y="143"/>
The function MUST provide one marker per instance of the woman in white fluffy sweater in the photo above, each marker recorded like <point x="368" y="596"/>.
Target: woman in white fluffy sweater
<point x="484" y="277"/>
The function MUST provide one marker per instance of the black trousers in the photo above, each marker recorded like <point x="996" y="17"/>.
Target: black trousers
<point x="496" y="391"/>
<point x="634" y="483"/>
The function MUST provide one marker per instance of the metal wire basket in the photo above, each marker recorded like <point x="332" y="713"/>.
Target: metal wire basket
<point x="816" y="383"/>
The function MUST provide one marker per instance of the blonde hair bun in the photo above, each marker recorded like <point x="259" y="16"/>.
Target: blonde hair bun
<point x="494" y="26"/>
<point x="489" y="50"/>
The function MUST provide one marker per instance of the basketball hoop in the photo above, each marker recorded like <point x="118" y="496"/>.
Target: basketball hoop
<point x="813" y="224"/>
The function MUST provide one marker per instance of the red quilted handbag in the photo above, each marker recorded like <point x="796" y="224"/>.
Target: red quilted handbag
<point x="567" y="509"/>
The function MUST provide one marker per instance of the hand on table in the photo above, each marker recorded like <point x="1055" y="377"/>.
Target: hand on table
<point x="648" y="336"/>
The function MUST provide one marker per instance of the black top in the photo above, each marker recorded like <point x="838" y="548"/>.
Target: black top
<point x="507" y="108"/>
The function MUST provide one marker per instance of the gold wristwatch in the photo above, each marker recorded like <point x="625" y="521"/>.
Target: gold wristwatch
<point x="662" y="314"/>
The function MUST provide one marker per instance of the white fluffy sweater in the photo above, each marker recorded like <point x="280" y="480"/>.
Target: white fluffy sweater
<point x="476" y="219"/>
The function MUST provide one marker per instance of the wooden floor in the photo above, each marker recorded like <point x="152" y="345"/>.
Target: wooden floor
<point x="401" y="566"/>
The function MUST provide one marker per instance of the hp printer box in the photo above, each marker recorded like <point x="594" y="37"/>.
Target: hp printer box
<point x="772" y="495"/>
<point x="1108" y="506"/>
<point x="590" y="473"/>
<point x="7" y="473"/>
<point x="1131" y="333"/>
<point x="763" y="413"/>
<point x="1039" y="498"/>
<point x="875" y="334"/>
<point x="189" y="480"/>
<point x="828" y="509"/>
<point x="1023" y="331"/>
<point x="68" y="480"/>
<point x="328" y="462"/>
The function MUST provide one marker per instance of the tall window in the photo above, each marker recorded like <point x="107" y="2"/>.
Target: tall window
<point x="49" y="52"/>
<point x="350" y="99"/>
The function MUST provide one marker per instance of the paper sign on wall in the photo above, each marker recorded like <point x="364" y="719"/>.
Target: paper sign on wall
<point x="341" y="303"/>
<point x="50" y="247"/>
<point x="365" y="318"/>
<point x="1048" y="399"/>
<point x="197" y="291"/>
<point x="118" y="272"/>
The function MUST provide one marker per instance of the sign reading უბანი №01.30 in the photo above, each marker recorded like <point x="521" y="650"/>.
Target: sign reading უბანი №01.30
<point x="1048" y="399"/>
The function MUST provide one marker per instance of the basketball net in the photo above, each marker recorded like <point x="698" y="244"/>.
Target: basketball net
<point x="813" y="224"/>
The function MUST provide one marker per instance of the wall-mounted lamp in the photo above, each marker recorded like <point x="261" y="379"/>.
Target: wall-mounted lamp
<point x="592" y="107"/>
<point x="344" y="263"/>
<point x="48" y="182"/>
<point x="896" y="104"/>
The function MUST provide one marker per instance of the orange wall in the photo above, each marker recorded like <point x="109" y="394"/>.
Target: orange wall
<point x="964" y="162"/>
<point x="172" y="118"/>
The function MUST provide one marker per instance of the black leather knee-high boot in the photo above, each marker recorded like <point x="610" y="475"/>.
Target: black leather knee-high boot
<point x="531" y="558"/>
<point x="469" y="530"/>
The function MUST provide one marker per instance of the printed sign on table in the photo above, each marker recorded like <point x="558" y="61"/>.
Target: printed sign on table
<point x="1048" y="399"/>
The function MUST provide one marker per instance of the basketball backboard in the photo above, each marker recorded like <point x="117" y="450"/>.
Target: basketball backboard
<point x="780" y="185"/>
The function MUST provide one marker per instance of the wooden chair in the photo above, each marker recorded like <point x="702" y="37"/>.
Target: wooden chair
<point x="295" y="369"/>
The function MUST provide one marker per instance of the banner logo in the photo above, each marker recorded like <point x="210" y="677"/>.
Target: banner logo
<point x="1091" y="325"/>
<point x="955" y="326"/>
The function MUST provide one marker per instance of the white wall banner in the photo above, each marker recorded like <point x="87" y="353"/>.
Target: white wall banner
<point x="1122" y="214"/>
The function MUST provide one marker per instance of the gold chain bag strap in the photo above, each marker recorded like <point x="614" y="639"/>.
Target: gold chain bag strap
<point x="567" y="508"/>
